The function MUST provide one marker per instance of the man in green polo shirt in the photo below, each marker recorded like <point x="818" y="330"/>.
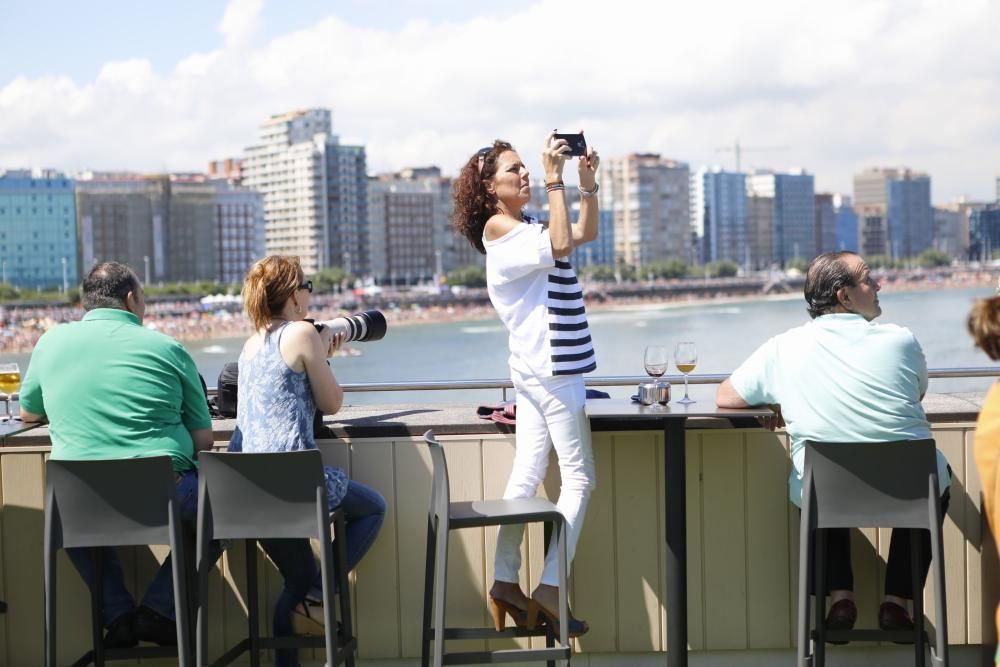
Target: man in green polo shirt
<point x="112" y="389"/>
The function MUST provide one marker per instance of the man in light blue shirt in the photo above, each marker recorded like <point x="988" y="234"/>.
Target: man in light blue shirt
<point x="842" y="378"/>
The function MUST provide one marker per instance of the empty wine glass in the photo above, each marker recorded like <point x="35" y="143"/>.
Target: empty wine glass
<point x="10" y="382"/>
<point x="686" y="358"/>
<point x="655" y="360"/>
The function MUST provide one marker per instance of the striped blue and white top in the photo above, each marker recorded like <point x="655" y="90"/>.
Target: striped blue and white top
<point x="540" y="301"/>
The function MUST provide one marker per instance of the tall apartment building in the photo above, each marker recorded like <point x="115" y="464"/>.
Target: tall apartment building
<point x="847" y="224"/>
<point x="952" y="228"/>
<point x="984" y="232"/>
<point x="760" y="233"/>
<point x="649" y="200"/>
<point x="903" y="198"/>
<point x="171" y="227"/>
<point x="719" y="214"/>
<point x="948" y="236"/>
<point x="315" y="201"/>
<point x="793" y="233"/>
<point x="600" y="251"/>
<point x="826" y="224"/>
<point x="122" y="217"/>
<point x="228" y="169"/>
<point x="191" y="234"/>
<point x="37" y="229"/>
<point x="239" y="230"/>
<point x="402" y="212"/>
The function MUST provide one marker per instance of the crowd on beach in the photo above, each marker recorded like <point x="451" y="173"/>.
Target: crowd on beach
<point x="20" y="328"/>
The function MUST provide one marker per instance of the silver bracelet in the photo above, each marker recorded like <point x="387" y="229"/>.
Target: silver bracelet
<point x="589" y="193"/>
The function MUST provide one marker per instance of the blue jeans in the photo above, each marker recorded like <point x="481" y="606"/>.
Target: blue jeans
<point x="364" y="511"/>
<point x="160" y="594"/>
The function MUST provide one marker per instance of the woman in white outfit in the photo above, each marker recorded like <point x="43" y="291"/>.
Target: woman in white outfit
<point x="536" y="293"/>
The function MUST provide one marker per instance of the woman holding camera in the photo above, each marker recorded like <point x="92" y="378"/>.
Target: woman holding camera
<point x="536" y="294"/>
<point x="283" y="380"/>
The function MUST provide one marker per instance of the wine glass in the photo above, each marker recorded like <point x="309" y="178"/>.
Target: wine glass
<point x="10" y="382"/>
<point x="655" y="360"/>
<point x="686" y="358"/>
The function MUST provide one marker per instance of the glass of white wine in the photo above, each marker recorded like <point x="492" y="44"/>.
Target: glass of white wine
<point x="10" y="382"/>
<point x="686" y="358"/>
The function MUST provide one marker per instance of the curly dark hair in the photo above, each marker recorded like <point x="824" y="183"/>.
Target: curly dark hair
<point x="984" y="325"/>
<point x="473" y="204"/>
<point x="826" y="275"/>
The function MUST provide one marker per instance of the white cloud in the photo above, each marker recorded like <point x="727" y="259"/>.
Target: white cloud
<point x="241" y="22"/>
<point x="842" y="84"/>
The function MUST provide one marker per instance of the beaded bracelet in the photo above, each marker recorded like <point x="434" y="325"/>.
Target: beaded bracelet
<point x="554" y="186"/>
<point x="589" y="193"/>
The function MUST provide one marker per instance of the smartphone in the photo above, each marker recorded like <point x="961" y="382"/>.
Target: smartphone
<point x="577" y="144"/>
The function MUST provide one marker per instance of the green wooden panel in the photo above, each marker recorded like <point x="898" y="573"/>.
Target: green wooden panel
<point x="377" y="576"/>
<point x="637" y="541"/>
<point x="952" y="445"/>
<point x="724" y="540"/>
<point x="769" y="617"/>
<point x="595" y="568"/>
<point x="413" y="489"/>
<point x="23" y="488"/>
<point x="695" y="525"/>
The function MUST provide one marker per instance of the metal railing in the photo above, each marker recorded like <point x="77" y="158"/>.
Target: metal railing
<point x="612" y="381"/>
<point x="609" y="381"/>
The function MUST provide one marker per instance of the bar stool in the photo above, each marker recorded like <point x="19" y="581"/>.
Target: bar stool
<point x="278" y="495"/>
<point x="863" y="485"/>
<point x="125" y="502"/>
<point x="445" y="516"/>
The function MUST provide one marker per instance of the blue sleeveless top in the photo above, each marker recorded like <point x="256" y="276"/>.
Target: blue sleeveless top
<point x="275" y="409"/>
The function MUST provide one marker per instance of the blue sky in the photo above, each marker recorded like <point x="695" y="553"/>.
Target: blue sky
<point x="840" y="85"/>
<point x="45" y="37"/>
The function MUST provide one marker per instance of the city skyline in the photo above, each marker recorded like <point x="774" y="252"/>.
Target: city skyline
<point x="829" y="87"/>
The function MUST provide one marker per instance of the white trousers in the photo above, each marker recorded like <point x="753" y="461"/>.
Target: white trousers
<point x="550" y="413"/>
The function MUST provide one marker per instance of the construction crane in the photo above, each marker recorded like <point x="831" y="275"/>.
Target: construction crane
<point x="738" y="151"/>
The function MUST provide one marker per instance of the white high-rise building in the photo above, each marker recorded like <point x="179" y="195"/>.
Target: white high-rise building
<point x="314" y="190"/>
<point x="648" y="197"/>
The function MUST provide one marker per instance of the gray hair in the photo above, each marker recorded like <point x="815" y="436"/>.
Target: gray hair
<point x="107" y="285"/>
<point x="827" y="274"/>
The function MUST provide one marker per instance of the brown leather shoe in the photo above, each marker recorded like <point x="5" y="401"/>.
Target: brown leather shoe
<point x="842" y="616"/>
<point x="893" y="617"/>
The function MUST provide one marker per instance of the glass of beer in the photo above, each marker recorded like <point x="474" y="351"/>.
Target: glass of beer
<point x="686" y="358"/>
<point x="10" y="382"/>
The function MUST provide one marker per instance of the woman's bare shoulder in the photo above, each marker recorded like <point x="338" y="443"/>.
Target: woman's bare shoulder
<point x="499" y="225"/>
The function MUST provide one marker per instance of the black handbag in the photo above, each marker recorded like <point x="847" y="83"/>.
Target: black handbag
<point x="226" y="390"/>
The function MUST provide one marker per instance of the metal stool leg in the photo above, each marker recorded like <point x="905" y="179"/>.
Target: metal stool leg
<point x="50" y="595"/>
<point x="97" y="604"/>
<point x="939" y="657"/>
<point x="426" y="633"/>
<point x="253" y="608"/>
<point x="819" y="561"/>
<point x="440" y="588"/>
<point x="916" y="553"/>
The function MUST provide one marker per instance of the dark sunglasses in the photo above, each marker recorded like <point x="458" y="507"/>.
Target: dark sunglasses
<point x="307" y="285"/>
<point x="483" y="152"/>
